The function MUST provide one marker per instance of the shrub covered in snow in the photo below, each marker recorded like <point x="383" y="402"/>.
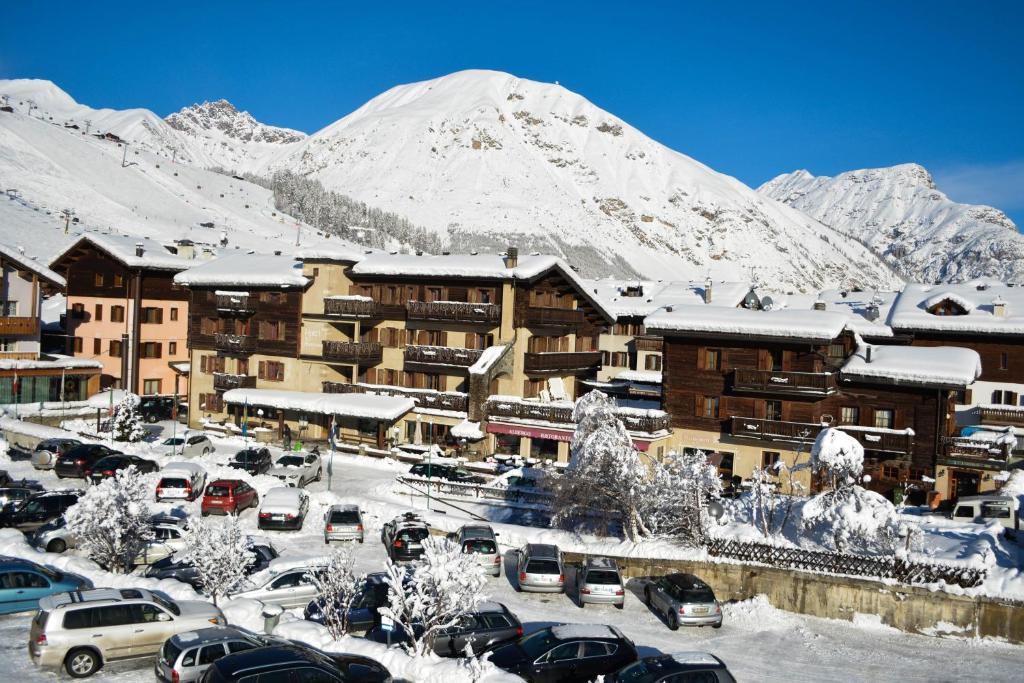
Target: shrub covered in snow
<point x="111" y="519"/>
<point x="434" y="593"/>
<point x="337" y="586"/>
<point x="838" y="457"/>
<point x="127" y="423"/>
<point x="678" y="491"/>
<point x="221" y="553"/>
<point x="853" y="520"/>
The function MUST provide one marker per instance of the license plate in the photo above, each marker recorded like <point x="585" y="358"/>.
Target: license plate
<point x="700" y="610"/>
<point x="277" y="517"/>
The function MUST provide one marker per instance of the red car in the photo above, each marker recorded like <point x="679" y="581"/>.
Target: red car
<point x="228" y="497"/>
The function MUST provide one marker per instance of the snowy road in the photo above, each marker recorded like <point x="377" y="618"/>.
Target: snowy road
<point x="758" y="642"/>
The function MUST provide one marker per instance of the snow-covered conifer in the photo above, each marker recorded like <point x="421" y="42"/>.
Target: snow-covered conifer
<point x="111" y="519"/>
<point x="221" y="553"/>
<point x="127" y="423"/>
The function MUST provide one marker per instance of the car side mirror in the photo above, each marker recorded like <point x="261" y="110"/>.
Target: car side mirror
<point x="163" y="616"/>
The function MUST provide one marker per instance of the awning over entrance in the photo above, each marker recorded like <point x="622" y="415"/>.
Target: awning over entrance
<point x="365" y="406"/>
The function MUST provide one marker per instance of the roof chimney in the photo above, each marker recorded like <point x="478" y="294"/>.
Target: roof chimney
<point x="668" y="309"/>
<point x="707" y="291"/>
<point x="819" y="305"/>
<point x="999" y="307"/>
<point x="140" y="249"/>
<point x="277" y="252"/>
<point x="867" y="353"/>
<point x="512" y="257"/>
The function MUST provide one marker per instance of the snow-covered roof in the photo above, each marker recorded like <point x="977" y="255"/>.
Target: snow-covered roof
<point x="181" y="367"/>
<point x="643" y="376"/>
<point x="123" y="248"/>
<point x="26" y="262"/>
<point x="283" y="495"/>
<point x="939" y="366"/>
<point x="370" y="406"/>
<point x="246" y="270"/>
<point x="569" y="631"/>
<point x="346" y="253"/>
<point x="487" y="358"/>
<point x="818" y="326"/>
<point x="858" y="307"/>
<point x="467" y="430"/>
<point x="51" y="363"/>
<point x="655" y="294"/>
<point x="107" y="398"/>
<point x="978" y="298"/>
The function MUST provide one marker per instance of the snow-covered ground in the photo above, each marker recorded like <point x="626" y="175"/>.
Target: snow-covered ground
<point x="758" y="642"/>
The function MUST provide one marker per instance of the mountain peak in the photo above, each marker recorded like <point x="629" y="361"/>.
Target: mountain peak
<point x="223" y="118"/>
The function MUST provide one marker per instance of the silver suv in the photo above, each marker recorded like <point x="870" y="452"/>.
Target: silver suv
<point x="481" y="541"/>
<point x="343" y="523"/>
<point x="80" y="631"/>
<point x="540" y="568"/>
<point x="599" y="582"/>
<point x="186" y="656"/>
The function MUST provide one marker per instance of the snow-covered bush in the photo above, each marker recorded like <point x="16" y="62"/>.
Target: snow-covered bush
<point x="678" y="492"/>
<point x="853" y="520"/>
<point x="220" y="552"/>
<point x="127" y="423"/>
<point x="434" y="593"/>
<point x="838" y="457"/>
<point x="337" y="586"/>
<point x="111" y="519"/>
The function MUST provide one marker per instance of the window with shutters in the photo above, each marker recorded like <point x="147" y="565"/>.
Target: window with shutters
<point x="118" y="280"/>
<point x="652" y="362"/>
<point x="117" y="314"/>
<point x="242" y="366"/>
<point x="475" y="340"/>
<point x="212" y="402"/>
<point x="272" y="330"/>
<point x="769" y="458"/>
<point x="115" y="349"/>
<point x="98" y="316"/>
<point x="78" y="311"/>
<point x="533" y="387"/>
<point x="619" y="359"/>
<point x="151" y="386"/>
<point x="172" y="348"/>
<point x="849" y="415"/>
<point x="435" y="294"/>
<point x="541" y="344"/>
<point x="836" y="351"/>
<point x="712" y="359"/>
<point x="773" y="410"/>
<point x="152" y="315"/>
<point x="98" y="279"/>
<point x="150" y="350"/>
<point x="77" y="344"/>
<point x="707" y="406"/>
<point x="884" y="418"/>
<point x="586" y="344"/>
<point x="174" y="313"/>
<point x="272" y="371"/>
<point x="96" y="346"/>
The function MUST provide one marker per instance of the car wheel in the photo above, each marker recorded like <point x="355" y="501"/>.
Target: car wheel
<point x="326" y="542"/>
<point x="82" y="663"/>
<point x="206" y="451"/>
<point x="151" y="418"/>
<point x="673" y="621"/>
<point x="621" y="605"/>
<point x="579" y="599"/>
<point x="319" y="475"/>
<point x="57" y="545"/>
<point x="718" y="625"/>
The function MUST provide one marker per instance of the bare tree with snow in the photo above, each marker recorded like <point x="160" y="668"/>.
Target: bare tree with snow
<point x="434" y="593"/>
<point x="678" y="492"/>
<point x="337" y="586"/>
<point x="111" y="519"/>
<point x="221" y="552"/>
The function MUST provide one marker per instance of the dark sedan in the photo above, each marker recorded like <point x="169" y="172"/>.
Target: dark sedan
<point x="38" y="509"/>
<point x="566" y="653"/>
<point x="171" y="568"/>
<point x="75" y="461"/>
<point x="252" y="460"/>
<point x="110" y="465"/>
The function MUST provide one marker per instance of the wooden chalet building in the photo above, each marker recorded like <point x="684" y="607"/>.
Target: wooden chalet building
<point x="753" y="387"/>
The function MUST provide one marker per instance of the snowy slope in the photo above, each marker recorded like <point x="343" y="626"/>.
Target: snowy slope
<point x="510" y="160"/>
<point x="900" y="213"/>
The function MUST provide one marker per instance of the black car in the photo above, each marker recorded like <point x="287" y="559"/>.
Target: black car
<point x="275" y="663"/>
<point x="75" y="461"/>
<point x="172" y="568"/>
<point x="252" y="460"/>
<point x="403" y="537"/>
<point x="14" y="495"/>
<point x="156" y="408"/>
<point x="683" y="666"/>
<point x="38" y="509"/>
<point x="489" y="626"/>
<point x="362" y="615"/>
<point x="109" y="466"/>
<point x="567" y="652"/>
<point x="448" y="472"/>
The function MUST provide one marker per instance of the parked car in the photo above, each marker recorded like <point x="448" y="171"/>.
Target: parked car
<point x="283" y="508"/>
<point x="173" y="568"/>
<point x="185" y="657"/>
<point x="252" y="460"/>
<point x="278" y="663"/>
<point x="567" y="652"/>
<point x="188" y="446"/>
<point x="599" y="582"/>
<point x="53" y="537"/>
<point x="38" y="509"/>
<point x="24" y="583"/>
<point x="403" y="537"/>
<point x="489" y="626"/>
<point x="168" y="538"/>
<point x="228" y="497"/>
<point x="522" y="478"/>
<point x="288" y="588"/>
<point x="297" y="469"/>
<point x="683" y="600"/>
<point x="81" y="631"/>
<point x="16" y="495"/>
<point x="156" y="408"/>
<point x="76" y="460"/>
<point x="674" y="668"/>
<point x="989" y="508"/>
<point x="181" y="481"/>
<point x="46" y="452"/>
<point x="539" y="566"/>
<point x="110" y="465"/>
<point x="481" y="541"/>
<point x="362" y="614"/>
<point x="343" y="523"/>
<point x="443" y="471"/>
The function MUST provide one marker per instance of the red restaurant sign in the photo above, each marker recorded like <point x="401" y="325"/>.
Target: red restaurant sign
<point x="543" y="433"/>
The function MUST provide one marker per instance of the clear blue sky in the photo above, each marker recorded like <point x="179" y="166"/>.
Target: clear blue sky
<point x="750" y="88"/>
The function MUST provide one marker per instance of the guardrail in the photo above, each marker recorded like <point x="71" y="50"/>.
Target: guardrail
<point x="480" y="492"/>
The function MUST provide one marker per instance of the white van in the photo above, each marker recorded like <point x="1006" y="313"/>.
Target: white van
<point x="991" y="508"/>
<point x="181" y="481"/>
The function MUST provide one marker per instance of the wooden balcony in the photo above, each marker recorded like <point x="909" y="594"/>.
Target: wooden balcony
<point x="19" y="355"/>
<point x="363" y="353"/>
<point x="965" y="451"/>
<point x="794" y="383"/>
<point x="882" y="440"/>
<point x="804" y="432"/>
<point x="454" y="311"/>
<point x="1007" y="417"/>
<point x="234" y="343"/>
<point x="563" y="361"/>
<point x="553" y="317"/>
<point x="655" y="344"/>
<point x="223" y="381"/>
<point x="441" y="355"/>
<point x="18" y="326"/>
<point x="439" y="400"/>
<point x="562" y="414"/>
<point x="236" y="304"/>
<point x="360" y="307"/>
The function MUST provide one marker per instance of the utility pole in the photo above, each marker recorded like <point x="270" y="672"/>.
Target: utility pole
<point x="67" y="213"/>
<point x="88" y="125"/>
<point x="124" y="157"/>
<point x="298" y="232"/>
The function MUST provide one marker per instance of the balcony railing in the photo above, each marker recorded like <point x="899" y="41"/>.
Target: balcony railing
<point x="966" y="449"/>
<point x="456" y="311"/>
<point x="882" y="440"/>
<point x="558" y="361"/>
<point x="223" y="381"/>
<point x="18" y="325"/>
<point x="353" y="352"/>
<point x="439" y="400"/>
<point x="236" y="303"/>
<point x="356" y="307"/>
<point x="441" y="355"/>
<point x="234" y="343"/>
<point x="655" y="344"/>
<point x="647" y="422"/>
<point x="805" y="432"/>
<point x="1012" y="417"/>
<point x="771" y="381"/>
<point x="559" y="317"/>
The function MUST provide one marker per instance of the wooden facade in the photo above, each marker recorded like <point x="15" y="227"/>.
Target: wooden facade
<point x="264" y="309"/>
<point x="1002" y="356"/>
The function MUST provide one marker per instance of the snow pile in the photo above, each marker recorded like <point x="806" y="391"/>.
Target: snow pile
<point x="489" y="356"/>
<point x="940" y="366"/>
<point x="642" y="376"/>
<point x="467" y="430"/>
<point x="819" y="326"/>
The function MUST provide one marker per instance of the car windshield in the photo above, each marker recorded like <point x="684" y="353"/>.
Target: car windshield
<point x="603" y="577"/>
<point x="213" y="490"/>
<point x="112" y="461"/>
<point x="995" y="510"/>
<point x="412" y="535"/>
<point x="542" y="567"/>
<point x="536" y="644"/>
<point x="168" y="483"/>
<point x="173" y="442"/>
<point x="290" y="461"/>
<point x="480" y="545"/>
<point x="344" y="517"/>
<point x="168" y="605"/>
<point x="633" y="672"/>
<point x="247" y="456"/>
<point x="33" y="506"/>
<point x="50" y="573"/>
<point x="698" y="595"/>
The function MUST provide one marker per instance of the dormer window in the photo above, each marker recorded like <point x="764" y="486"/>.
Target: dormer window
<point x="633" y="290"/>
<point x="948" y="304"/>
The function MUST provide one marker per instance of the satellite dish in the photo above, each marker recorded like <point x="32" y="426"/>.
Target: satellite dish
<point x="750" y="301"/>
<point x="716" y="510"/>
<point x="767" y="302"/>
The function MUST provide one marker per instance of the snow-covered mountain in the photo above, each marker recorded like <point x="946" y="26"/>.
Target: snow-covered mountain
<point x="492" y="159"/>
<point x="900" y="213"/>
